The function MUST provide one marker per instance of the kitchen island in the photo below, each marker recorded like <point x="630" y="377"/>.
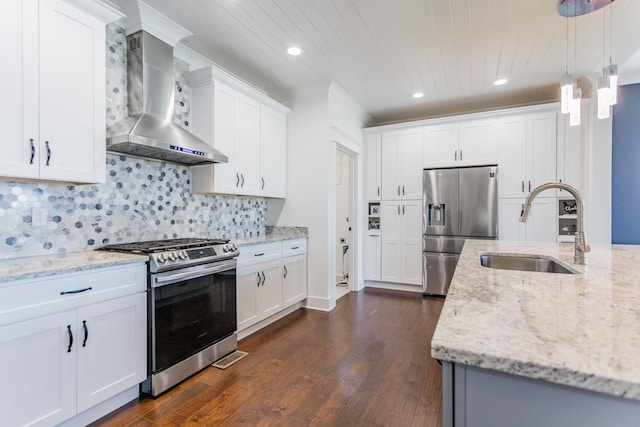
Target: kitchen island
<point x="529" y="348"/>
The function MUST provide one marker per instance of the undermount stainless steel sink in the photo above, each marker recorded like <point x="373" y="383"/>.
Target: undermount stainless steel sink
<point x="525" y="262"/>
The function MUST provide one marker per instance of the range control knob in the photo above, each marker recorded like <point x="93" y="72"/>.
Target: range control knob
<point x="226" y="248"/>
<point x="161" y="259"/>
<point x="234" y="247"/>
<point x="182" y="255"/>
<point x="172" y="256"/>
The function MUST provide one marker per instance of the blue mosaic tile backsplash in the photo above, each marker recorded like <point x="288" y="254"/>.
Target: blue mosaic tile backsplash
<point x="142" y="199"/>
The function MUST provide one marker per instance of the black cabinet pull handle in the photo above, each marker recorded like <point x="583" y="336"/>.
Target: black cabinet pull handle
<point x="295" y="247"/>
<point x="77" y="291"/>
<point x="242" y="183"/>
<point x="398" y="209"/>
<point x="522" y="186"/>
<point x="378" y="190"/>
<point x="86" y="333"/>
<point x="263" y="278"/>
<point x="33" y="151"/>
<point x="461" y="155"/>
<point x="285" y="271"/>
<point x="260" y="254"/>
<point x="48" y="152"/>
<point x="70" y="338"/>
<point x="263" y="183"/>
<point x="237" y="179"/>
<point x="402" y="209"/>
<point x="258" y="273"/>
<point x="529" y="186"/>
<point x="455" y="155"/>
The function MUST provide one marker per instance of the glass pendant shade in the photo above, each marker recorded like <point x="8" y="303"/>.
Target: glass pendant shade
<point x="574" y="112"/>
<point x="566" y="94"/>
<point x="611" y="72"/>
<point x="604" y="96"/>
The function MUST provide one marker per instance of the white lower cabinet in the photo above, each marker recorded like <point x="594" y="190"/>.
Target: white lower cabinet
<point x="270" y="278"/>
<point x="540" y="225"/>
<point x="401" y="241"/>
<point x="372" y="254"/>
<point x="70" y="352"/>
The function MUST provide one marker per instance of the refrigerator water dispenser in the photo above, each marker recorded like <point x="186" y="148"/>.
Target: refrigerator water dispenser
<point x="436" y="214"/>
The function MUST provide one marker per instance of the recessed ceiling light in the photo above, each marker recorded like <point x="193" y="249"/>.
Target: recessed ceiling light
<point x="294" y="51"/>
<point x="500" y="82"/>
<point x="418" y="95"/>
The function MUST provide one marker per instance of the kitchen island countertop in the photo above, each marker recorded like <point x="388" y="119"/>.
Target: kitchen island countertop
<point x="579" y="330"/>
<point x="32" y="267"/>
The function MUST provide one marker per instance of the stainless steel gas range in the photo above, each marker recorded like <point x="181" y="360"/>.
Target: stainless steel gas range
<point x="191" y="306"/>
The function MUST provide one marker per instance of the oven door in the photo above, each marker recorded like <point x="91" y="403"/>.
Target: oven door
<point x="190" y="309"/>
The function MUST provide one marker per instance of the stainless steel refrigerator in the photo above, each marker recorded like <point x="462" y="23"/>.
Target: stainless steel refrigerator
<point x="459" y="203"/>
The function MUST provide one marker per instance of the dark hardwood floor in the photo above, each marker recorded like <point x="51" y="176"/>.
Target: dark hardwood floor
<point x="366" y="363"/>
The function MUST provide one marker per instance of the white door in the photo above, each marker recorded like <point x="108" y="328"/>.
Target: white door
<point x="112" y="349"/>
<point x="391" y="232"/>
<point x="294" y="279"/>
<point x="412" y="242"/>
<point x="372" y="256"/>
<point x="270" y="291"/>
<point x="225" y="116"/>
<point x="38" y="360"/>
<point x="248" y="280"/>
<point x="411" y="163"/>
<point x="248" y="146"/>
<point x="512" y="156"/>
<point x="72" y="103"/>
<point x="478" y="144"/>
<point x="373" y="164"/>
<point x="440" y="145"/>
<point x="19" y="71"/>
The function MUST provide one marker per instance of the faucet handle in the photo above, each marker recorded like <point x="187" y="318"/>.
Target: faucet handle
<point x="583" y="247"/>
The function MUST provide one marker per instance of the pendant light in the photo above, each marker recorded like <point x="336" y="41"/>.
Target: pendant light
<point x="566" y="82"/>
<point x="611" y="72"/>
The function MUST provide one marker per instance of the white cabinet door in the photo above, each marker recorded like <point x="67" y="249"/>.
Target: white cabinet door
<point x="478" y="143"/>
<point x="411" y="167"/>
<point x="248" y="281"/>
<point x="270" y="291"/>
<point x="412" y="242"/>
<point x="401" y="164"/>
<point x="38" y="361"/>
<point x="19" y="71"/>
<point x="72" y="98"/>
<point x="372" y="256"/>
<point x="512" y="159"/>
<point x="248" y="146"/>
<point x="294" y="279"/>
<point x="111" y="346"/>
<point x="391" y="232"/>
<point x="225" y="116"/>
<point x="540" y="225"/>
<point x="373" y="164"/>
<point x="440" y="145"/>
<point x="541" y="150"/>
<point x="273" y="153"/>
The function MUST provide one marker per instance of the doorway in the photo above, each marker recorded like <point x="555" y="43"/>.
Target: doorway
<point x="344" y="240"/>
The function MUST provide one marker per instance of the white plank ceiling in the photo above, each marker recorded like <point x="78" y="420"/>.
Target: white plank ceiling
<point x="382" y="51"/>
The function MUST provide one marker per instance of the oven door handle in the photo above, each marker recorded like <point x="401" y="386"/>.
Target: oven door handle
<point x="168" y="278"/>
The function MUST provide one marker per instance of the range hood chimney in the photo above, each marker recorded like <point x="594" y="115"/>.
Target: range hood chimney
<point x="149" y="130"/>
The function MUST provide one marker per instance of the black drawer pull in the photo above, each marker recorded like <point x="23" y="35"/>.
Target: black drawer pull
<point x="260" y="254"/>
<point x="86" y="333"/>
<point x="70" y="338"/>
<point x="77" y="291"/>
<point x="295" y="247"/>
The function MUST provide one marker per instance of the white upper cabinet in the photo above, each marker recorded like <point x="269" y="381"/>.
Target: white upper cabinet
<point x="401" y="154"/>
<point x="526" y="153"/>
<point x="249" y="130"/>
<point x="464" y="143"/>
<point x="570" y="153"/>
<point x="373" y="165"/>
<point x="54" y="74"/>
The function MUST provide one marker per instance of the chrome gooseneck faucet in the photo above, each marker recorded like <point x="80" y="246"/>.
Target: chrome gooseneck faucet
<point x="581" y="246"/>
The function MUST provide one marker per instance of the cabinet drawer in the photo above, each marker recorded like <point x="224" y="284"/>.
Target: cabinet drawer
<point x="294" y="247"/>
<point x="27" y="299"/>
<point x="259" y="253"/>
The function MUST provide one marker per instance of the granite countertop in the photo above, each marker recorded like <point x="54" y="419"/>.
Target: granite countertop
<point x="47" y="265"/>
<point x="579" y="330"/>
<point x="274" y="234"/>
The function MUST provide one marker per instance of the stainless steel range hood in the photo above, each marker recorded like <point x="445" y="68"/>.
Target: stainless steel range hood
<point x="149" y="130"/>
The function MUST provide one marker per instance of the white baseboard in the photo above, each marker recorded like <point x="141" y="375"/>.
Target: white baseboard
<point x="321" y="304"/>
<point x="269" y="320"/>
<point x="393" y="286"/>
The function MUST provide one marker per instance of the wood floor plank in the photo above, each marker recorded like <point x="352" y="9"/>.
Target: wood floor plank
<point x="366" y="363"/>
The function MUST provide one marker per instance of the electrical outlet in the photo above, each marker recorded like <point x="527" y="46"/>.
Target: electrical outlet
<point x="39" y="217"/>
<point x="205" y="215"/>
